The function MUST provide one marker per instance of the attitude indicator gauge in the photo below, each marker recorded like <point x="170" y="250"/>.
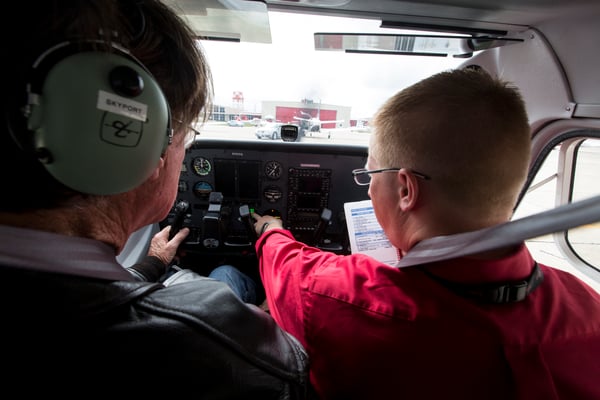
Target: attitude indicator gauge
<point x="202" y="189"/>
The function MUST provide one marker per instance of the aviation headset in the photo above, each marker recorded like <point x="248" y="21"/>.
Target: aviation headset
<point x="99" y="121"/>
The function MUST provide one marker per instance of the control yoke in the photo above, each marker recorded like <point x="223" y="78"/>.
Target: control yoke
<point x="181" y="209"/>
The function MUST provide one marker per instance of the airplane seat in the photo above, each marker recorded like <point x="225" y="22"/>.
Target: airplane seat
<point x="137" y="245"/>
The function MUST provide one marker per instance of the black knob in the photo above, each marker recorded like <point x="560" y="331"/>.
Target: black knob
<point x="126" y="81"/>
<point x="324" y="219"/>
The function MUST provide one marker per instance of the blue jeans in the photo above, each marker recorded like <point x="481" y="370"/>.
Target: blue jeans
<point x="242" y="285"/>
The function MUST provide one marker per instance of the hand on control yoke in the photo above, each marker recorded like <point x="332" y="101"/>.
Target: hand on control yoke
<point x="164" y="248"/>
<point x="181" y="209"/>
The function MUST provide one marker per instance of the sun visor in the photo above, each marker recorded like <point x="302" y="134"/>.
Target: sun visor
<point x="408" y="44"/>
<point x="226" y="20"/>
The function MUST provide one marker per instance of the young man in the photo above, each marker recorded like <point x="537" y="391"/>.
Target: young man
<point x="448" y="155"/>
<point x="98" y="97"/>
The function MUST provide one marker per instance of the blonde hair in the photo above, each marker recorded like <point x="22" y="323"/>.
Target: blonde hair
<point x="465" y="129"/>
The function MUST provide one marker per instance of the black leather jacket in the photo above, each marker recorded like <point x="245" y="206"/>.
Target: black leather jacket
<point x="194" y="337"/>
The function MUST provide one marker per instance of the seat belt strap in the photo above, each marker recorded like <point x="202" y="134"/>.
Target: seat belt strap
<point x="508" y="234"/>
<point x="502" y="293"/>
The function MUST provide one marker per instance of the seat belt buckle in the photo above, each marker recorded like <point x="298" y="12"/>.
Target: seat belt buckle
<point x="511" y="293"/>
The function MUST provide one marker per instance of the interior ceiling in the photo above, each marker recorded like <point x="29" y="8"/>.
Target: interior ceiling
<point x="509" y="15"/>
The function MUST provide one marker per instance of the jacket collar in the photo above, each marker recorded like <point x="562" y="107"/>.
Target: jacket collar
<point x="50" y="252"/>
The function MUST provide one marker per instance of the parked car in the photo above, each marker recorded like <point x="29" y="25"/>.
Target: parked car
<point x="235" y="122"/>
<point x="270" y="130"/>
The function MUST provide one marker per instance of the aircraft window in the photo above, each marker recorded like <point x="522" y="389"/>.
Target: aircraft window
<point x="330" y="95"/>
<point x="584" y="240"/>
<point x="581" y="244"/>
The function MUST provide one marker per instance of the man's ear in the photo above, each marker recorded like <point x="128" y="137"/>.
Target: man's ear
<point x="159" y="168"/>
<point x="408" y="189"/>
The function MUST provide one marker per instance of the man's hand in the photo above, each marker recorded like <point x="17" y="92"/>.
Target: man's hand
<point x="265" y="222"/>
<point x="165" y="249"/>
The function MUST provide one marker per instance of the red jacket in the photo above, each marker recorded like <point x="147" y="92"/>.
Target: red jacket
<point x="377" y="332"/>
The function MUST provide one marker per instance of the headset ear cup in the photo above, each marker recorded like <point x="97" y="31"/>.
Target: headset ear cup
<point x="93" y="137"/>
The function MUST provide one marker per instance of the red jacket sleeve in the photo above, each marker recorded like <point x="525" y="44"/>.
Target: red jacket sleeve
<point x="286" y="269"/>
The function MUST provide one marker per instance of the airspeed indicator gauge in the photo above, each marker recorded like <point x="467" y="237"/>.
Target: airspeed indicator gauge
<point x="201" y="166"/>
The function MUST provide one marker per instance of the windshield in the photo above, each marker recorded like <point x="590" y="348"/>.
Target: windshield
<point x="330" y="95"/>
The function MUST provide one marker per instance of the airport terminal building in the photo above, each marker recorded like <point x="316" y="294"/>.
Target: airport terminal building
<point x="288" y="112"/>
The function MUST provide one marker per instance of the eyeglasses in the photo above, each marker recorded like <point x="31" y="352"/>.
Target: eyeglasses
<point x="190" y="135"/>
<point x="362" y="176"/>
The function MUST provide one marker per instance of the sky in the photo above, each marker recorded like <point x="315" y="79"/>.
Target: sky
<point x="290" y="69"/>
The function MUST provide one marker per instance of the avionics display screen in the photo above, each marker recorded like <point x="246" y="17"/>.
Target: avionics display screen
<point x="225" y="179"/>
<point x="311" y="184"/>
<point x="237" y="179"/>
<point x="309" y="192"/>
<point x="248" y="172"/>
<point x="308" y="201"/>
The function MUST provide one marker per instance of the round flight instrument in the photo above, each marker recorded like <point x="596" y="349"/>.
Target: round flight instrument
<point x="272" y="194"/>
<point x="273" y="169"/>
<point x="202" y="189"/>
<point x="201" y="166"/>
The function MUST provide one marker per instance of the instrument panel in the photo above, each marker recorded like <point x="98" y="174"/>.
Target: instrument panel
<point x="305" y="184"/>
